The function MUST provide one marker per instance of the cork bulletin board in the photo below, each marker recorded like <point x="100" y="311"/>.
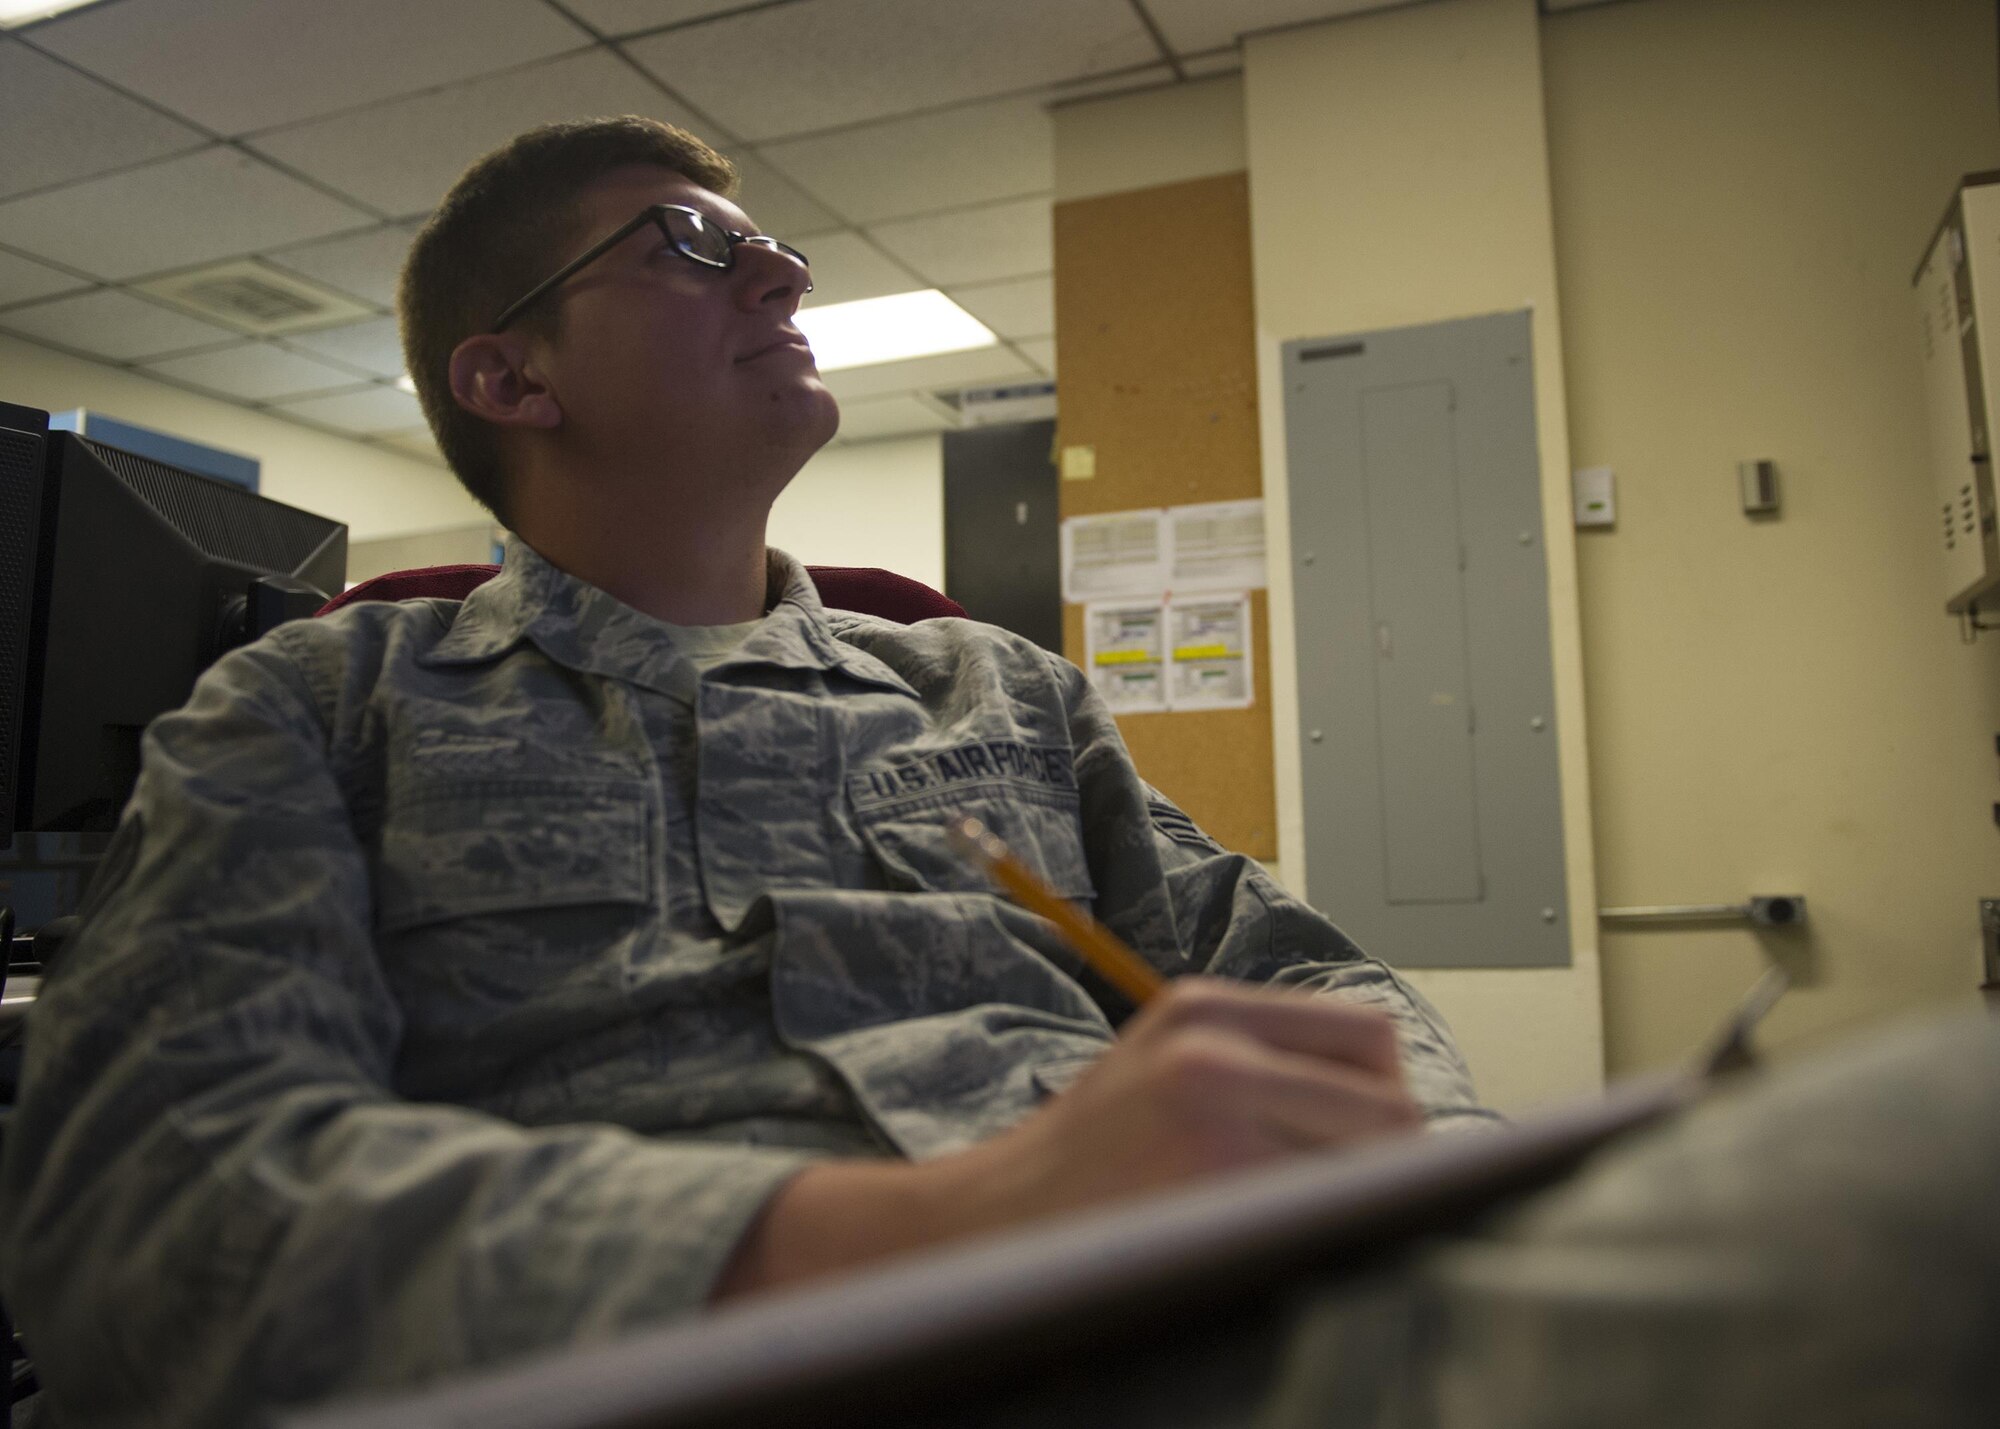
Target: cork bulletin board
<point x="1156" y="330"/>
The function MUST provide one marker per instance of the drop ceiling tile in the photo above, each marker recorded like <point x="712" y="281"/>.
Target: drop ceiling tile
<point x="239" y="66"/>
<point x="61" y="125"/>
<point x="774" y="202"/>
<point x="402" y="156"/>
<point x="362" y="265"/>
<point x="214" y="204"/>
<point x="950" y="159"/>
<point x="375" y="346"/>
<point x="1195" y="25"/>
<point x="1020" y="307"/>
<point x="973" y="245"/>
<point x="628" y="17"/>
<point x="790" y="70"/>
<point x="22" y="279"/>
<point x="254" y="372"/>
<point x="897" y="416"/>
<point x="847" y="267"/>
<point x="952" y="370"/>
<point x="377" y="409"/>
<point x="1041" y="351"/>
<point x="112" y="325"/>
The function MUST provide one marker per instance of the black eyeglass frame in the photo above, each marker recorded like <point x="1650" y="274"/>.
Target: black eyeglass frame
<point x="654" y="214"/>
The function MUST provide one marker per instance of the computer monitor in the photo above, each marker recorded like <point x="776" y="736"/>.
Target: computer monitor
<point x="121" y="579"/>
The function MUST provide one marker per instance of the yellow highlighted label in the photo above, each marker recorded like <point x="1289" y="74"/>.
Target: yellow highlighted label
<point x="1125" y="657"/>
<point x="1204" y="652"/>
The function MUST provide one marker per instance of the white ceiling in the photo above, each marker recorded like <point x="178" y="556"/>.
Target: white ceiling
<point x="900" y="143"/>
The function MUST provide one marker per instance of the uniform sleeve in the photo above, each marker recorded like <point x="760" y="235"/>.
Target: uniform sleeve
<point x="1190" y="906"/>
<point x="212" y="1202"/>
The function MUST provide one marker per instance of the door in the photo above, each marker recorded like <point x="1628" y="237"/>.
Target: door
<point x="1001" y="532"/>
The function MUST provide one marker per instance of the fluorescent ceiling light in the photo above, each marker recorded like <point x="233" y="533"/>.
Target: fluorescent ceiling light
<point x="407" y="383"/>
<point x="890" y="329"/>
<point x="21" y="12"/>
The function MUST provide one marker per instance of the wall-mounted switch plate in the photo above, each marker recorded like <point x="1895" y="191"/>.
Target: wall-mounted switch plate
<point x="1596" y="496"/>
<point x="1759" y="480"/>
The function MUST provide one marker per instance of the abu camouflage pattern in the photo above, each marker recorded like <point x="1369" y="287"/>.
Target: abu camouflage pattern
<point x="464" y="977"/>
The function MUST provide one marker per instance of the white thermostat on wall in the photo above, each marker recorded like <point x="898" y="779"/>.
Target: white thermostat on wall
<point x="1596" y="496"/>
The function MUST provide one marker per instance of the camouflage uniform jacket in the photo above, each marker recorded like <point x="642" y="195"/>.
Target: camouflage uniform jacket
<point x="465" y="976"/>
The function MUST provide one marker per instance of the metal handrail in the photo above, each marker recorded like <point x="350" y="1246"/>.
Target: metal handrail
<point x="1764" y="910"/>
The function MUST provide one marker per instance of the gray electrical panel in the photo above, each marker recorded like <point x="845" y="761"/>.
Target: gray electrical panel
<point x="1433" y="807"/>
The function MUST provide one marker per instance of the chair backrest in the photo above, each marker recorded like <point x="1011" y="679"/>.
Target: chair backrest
<point x="865" y="589"/>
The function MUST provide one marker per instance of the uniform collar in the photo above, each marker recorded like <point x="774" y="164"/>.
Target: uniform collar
<point x="584" y="628"/>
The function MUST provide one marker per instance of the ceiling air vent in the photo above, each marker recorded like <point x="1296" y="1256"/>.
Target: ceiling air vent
<point x="1017" y="402"/>
<point x="253" y="298"/>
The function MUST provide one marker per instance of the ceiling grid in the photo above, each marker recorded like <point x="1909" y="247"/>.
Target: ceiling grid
<point x="901" y="143"/>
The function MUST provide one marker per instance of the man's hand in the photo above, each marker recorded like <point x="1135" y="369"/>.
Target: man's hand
<point x="1212" y="1076"/>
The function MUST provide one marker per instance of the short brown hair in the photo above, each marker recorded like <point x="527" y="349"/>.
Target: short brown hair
<point x="505" y="226"/>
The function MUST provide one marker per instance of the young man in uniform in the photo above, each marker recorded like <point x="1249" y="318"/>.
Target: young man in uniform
<point x="473" y="979"/>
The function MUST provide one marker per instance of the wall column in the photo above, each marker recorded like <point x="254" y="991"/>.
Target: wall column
<point x="1399" y="175"/>
<point x="1154" y="324"/>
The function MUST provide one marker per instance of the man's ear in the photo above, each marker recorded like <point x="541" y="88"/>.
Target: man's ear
<point x="492" y="378"/>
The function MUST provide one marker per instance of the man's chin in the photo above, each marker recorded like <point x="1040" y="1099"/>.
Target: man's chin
<point x="799" y="417"/>
<point x="820" y="414"/>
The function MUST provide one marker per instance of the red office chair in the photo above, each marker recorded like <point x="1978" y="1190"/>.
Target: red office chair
<point x="858" y="588"/>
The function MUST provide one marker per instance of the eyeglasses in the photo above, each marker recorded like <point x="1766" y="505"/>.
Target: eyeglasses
<point x="693" y="235"/>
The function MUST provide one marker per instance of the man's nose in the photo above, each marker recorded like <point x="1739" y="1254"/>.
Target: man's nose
<point x="765" y="277"/>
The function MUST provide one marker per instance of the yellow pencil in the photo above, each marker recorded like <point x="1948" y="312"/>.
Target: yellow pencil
<point x="1098" y="945"/>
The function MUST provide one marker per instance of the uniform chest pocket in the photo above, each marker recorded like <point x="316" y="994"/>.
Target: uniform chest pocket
<point x="1043" y="827"/>
<point x="512" y="845"/>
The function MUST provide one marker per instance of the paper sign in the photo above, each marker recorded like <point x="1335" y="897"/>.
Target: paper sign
<point x="1217" y="545"/>
<point x="1124" y="655"/>
<point x="1208" y="640"/>
<point x="1118" y="555"/>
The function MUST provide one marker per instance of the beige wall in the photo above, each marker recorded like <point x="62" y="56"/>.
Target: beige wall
<point x="1398" y="175"/>
<point x="449" y="546"/>
<point x="863" y="504"/>
<point x="869" y="504"/>
<point x="1146" y="140"/>
<point x="1742" y="190"/>
<point x="377" y="492"/>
